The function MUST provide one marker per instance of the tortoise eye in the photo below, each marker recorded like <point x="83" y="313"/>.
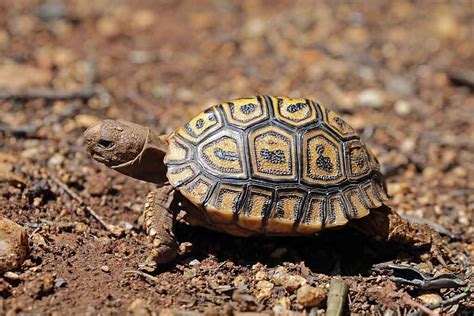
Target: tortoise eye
<point x="105" y="144"/>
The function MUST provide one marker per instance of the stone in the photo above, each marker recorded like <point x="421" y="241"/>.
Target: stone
<point x="13" y="245"/>
<point x="264" y="290"/>
<point x="310" y="296"/>
<point x="372" y="98"/>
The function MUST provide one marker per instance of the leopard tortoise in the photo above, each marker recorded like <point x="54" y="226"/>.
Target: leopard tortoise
<point x="258" y="165"/>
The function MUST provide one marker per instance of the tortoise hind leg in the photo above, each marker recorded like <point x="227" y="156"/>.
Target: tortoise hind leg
<point x="158" y="221"/>
<point x="385" y="224"/>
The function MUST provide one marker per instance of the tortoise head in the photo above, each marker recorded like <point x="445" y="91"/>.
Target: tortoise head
<point x="128" y="148"/>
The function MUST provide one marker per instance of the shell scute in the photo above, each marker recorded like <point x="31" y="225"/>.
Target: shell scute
<point x="178" y="151"/>
<point x="322" y="158"/>
<point x="202" y="125"/>
<point x="198" y="189"/>
<point x="357" y="160"/>
<point x="246" y="111"/>
<point x="225" y="203"/>
<point x="285" y="212"/>
<point x="256" y="207"/>
<point x="314" y="215"/>
<point x="294" y="111"/>
<point x="222" y="155"/>
<point x="337" y="124"/>
<point x="272" y="153"/>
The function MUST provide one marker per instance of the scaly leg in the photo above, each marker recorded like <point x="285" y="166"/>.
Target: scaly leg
<point x="158" y="221"/>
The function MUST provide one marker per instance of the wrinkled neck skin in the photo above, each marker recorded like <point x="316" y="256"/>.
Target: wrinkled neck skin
<point x="148" y="165"/>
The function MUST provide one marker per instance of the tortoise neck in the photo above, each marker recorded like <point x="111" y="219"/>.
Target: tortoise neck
<point x="148" y="165"/>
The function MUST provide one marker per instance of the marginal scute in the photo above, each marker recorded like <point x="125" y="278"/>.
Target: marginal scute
<point x="285" y="212"/>
<point x="340" y="126"/>
<point x="294" y="112"/>
<point x="246" y="111"/>
<point x="180" y="174"/>
<point x="336" y="211"/>
<point x="222" y="155"/>
<point x="314" y="214"/>
<point x="355" y="202"/>
<point x="374" y="163"/>
<point x="178" y="151"/>
<point x="256" y="207"/>
<point x="380" y="190"/>
<point x="272" y="152"/>
<point x="202" y="125"/>
<point x="357" y="160"/>
<point x="224" y="203"/>
<point x="322" y="161"/>
<point x="198" y="189"/>
<point x="370" y="195"/>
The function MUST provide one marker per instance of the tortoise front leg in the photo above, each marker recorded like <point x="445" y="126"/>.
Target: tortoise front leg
<point x="158" y="221"/>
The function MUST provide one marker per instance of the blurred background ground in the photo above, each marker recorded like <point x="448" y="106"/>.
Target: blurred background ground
<point x="401" y="73"/>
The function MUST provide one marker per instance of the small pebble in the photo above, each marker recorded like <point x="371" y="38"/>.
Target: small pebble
<point x="264" y="290"/>
<point x="139" y="307"/>
<point x="261" y="275"/>
<point x="430" y="298"/>
<point x="372" y="98"/>
<point x="309" y="296"/>
<point x="58" y="282"/>
<point x="402" y="108"/>
<point x="13" y="245"/>
<point x="105" y="268"/>
<point x="11" y="276"/>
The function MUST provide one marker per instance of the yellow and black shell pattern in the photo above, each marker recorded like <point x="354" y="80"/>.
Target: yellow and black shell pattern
<point x="274" y="165"/>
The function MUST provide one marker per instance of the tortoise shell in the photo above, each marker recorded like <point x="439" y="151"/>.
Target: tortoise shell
<point x="274" y="165"/>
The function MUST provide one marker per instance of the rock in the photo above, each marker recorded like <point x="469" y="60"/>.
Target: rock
<point x="13" y="245"/>
<point x="261" y="275"/>
<point x="430" y="299"/>
<point x="139" y="307"/>
<point x="400" y="85"/>
<point x="105" y="269"/>
<point x="240" y="281"/>
<point x="143" y="19"/>
<point x="372" y="98"/>
<point x="51" y="10"/>
<point x="293" y="282"/>
<point x="59" y="282"/>
<point x="309" y="296"/>
<point x="264" y="290"/>
<point x="288" y="281"/>
<point x="282" y="305"/>
<point x="402" y="108"/>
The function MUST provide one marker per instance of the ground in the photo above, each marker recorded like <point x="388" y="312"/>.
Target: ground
<point x="400" y="72"/>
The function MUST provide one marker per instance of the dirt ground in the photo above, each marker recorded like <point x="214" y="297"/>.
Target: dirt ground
<point x="400" y="72"/>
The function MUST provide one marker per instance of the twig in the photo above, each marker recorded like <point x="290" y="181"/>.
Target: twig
<point x="143" y="274"/>
<point x="19" y="131"/>
<point x="408" y="300"/>
<point x="112" y="228"/>
<point x="336" y="297"/>
<point x="50" y="94"/>
<point x="462" y="77"/>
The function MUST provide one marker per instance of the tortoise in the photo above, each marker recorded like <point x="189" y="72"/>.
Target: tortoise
<point x="260" y="165"/>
